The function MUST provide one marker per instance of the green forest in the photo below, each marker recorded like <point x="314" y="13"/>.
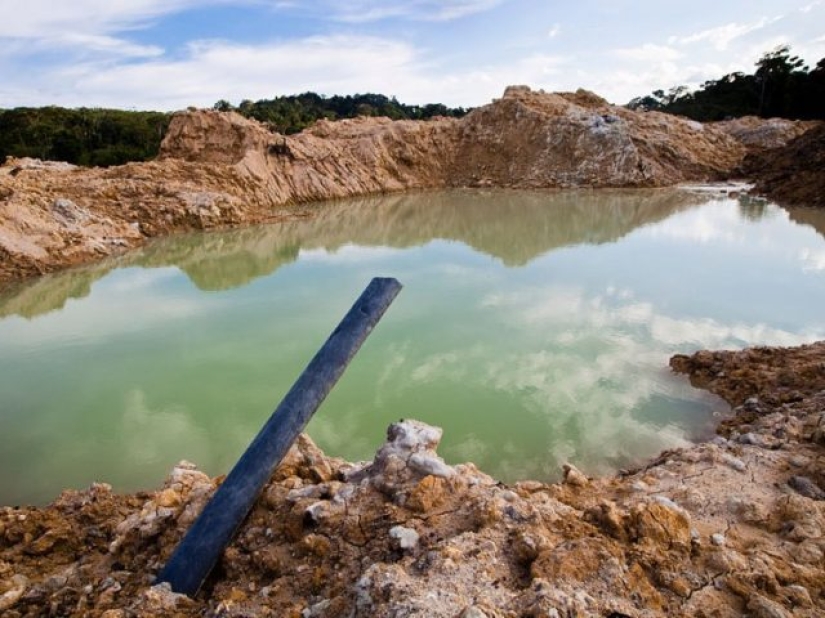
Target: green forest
<point x="291" y="114"/>
<point x="106" y="137"/>
<point x="82" y="136"/>
<point x="781" y="85"/>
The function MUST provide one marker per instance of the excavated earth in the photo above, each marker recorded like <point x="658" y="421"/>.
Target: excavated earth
<point x="794" y="173"/>
<point x="220" y="169"/>
<point x="731" y="527"/>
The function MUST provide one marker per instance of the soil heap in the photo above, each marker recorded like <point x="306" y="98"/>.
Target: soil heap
<point x="794" y="173"/>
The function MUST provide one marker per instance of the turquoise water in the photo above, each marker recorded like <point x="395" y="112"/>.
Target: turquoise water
<point x="535" y="328"/>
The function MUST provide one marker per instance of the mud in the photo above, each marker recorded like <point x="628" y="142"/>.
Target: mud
<point x="726" y="528"/>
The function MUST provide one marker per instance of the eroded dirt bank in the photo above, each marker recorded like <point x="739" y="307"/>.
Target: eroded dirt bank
<point x="728" y="528"/>
<point x="793" y="173"/>
<point x="220" y="169"/>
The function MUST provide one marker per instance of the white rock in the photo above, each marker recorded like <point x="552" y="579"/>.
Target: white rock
<point x="404" y="538"/>
<point x="733" y="462"/>
<point x="429" y="464"/>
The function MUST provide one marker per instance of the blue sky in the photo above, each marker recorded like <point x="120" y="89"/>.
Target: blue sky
<point x="169" y="54"/>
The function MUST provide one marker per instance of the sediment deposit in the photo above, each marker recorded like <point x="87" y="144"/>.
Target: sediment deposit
<point x="219" y="169"/>
<point x="731" y="527"/>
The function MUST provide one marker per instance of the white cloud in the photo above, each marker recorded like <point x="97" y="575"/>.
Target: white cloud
<point x="84" y="26"/>
<point x="348" y="254"/>
<point x="341" y="64"/>
<point x="105" y="44"/>
<point x="809" y="7"/>
<point x="109" y="311"/>
<point x="813" y="260"/>
<point x="720" y="37"/>
<point x="425" y="10"/>
<point x="649" y="53"/>
<point x="100" y="62"/>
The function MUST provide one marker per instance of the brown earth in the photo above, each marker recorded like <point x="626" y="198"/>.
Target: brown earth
<point x="220" y="169"/>
<point x="794" y="173"/>
<point x="759" y="134"/>
<point x="728" y="528"/>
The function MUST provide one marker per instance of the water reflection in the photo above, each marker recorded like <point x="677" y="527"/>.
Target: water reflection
<point x="512" y="226"/>
<point x="534" y="327"/>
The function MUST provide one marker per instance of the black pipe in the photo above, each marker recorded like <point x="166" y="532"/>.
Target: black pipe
<point x="198" y="552"/>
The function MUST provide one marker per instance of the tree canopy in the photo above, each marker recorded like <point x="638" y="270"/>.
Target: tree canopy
<point x="291" y="114"/>
<point x="81" y="136"/>
<point x="781" y="86"/>
<point x="112" y="137"/>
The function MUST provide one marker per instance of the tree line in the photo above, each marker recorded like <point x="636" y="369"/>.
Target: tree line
<point x="781" y="86"/>
<point x="292" y="114"/>
<point x="105" y="137"/>
<point x="82" y="136"/>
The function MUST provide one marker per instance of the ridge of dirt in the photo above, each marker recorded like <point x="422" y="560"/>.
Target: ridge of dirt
<point x="726" y="528"/>
<point x="794" y="173"/>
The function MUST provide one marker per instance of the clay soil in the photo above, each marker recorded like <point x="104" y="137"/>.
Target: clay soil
<point x="220" y="169"/>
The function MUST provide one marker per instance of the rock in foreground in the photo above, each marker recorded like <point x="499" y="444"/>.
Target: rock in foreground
<point x="727" y="528"/>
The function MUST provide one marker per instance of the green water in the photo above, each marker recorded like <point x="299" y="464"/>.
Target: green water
<point x="535" y="328"/>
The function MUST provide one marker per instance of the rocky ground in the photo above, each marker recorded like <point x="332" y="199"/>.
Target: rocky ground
<point x="793" y="174"/>
<point x="731" y="527"/>
<point x="219" y="169"/>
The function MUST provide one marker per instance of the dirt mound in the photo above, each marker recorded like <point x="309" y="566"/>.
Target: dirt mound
<point x="793" y="174"/>
<point x="759" y="134"/>
<point x="537" y="139"/>
<point x="208" y="136"/>
<point x="691" y="534"/>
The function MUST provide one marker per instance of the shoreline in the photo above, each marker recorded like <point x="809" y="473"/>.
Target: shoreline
<point x="725" y="527"/>
<point x="219" y="170"/>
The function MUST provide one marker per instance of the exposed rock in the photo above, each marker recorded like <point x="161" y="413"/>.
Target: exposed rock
<point x="573" y="476"/>
<point x="759" y="134"/>
<point x="806" y="487"/>
<point x="395" y="540"/>
<point x="404" y="538"/>
<point x="538" y="139"/>
<point x="761" y="607"/>
<point x="793" y="173"/>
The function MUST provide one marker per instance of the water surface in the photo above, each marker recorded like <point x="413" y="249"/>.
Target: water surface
<point x="535" y="327"/>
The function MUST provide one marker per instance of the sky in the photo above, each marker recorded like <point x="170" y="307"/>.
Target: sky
<point x="171" y="54"/>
